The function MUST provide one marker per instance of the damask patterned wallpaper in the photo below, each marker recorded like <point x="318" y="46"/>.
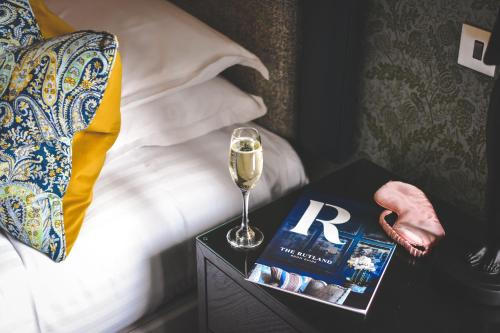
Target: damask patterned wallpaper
<point x="423" y="115"/>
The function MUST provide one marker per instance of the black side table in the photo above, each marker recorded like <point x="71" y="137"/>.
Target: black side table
<point x="411" y="297"/>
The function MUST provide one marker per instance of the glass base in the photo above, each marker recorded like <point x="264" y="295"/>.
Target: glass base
<point x="239" y="239"/>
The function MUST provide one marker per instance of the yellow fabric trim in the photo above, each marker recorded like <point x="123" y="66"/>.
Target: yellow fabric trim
<point x="89" y="146"/>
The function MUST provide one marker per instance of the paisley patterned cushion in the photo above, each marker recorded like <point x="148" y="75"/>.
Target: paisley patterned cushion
<point x="17" y="24"/>
<point x="49" y="90"/>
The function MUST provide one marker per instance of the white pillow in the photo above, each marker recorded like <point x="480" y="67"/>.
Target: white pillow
<point x="164" y="49"/>
<point x="187" y="114"/>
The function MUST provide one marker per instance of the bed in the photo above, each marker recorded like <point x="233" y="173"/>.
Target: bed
<point x="133" y="265"/>
<point x="134" y="261"/>
<point x="150" y="260"/>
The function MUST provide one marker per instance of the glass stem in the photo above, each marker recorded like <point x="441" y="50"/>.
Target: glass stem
<point x="244" y="217"/>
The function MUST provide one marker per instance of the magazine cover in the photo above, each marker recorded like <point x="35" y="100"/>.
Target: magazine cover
<point x="327" y="249"/>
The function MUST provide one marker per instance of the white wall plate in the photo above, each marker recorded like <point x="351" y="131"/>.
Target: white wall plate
<point x="470" y="36"/>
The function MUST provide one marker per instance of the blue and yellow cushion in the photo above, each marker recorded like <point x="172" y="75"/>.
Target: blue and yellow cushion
<point x="49" y="90"/>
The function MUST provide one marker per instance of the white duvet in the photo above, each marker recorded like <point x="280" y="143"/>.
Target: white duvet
<point x="135" y="250"/>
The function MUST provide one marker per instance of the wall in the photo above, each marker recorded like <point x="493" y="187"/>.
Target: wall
<point x="421" y="114"/>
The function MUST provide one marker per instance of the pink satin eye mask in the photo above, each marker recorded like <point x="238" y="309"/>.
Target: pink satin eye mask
<point x="417" y="227"/>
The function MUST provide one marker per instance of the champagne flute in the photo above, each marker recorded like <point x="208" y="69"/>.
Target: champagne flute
<point x="245" y="165"/>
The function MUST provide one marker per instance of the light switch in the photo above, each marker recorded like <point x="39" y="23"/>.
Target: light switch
<point x="473" y="44"/>
<point x="478" y="50"/>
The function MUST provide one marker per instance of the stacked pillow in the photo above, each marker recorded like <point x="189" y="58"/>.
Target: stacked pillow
<point x="51" y="89"/>
<point x="171" y="91"/>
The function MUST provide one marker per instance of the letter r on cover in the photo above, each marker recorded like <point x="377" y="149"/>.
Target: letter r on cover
<point x="330" y="230"/>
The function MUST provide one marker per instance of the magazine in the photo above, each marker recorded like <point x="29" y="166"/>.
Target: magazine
<point x="327" y="249"/>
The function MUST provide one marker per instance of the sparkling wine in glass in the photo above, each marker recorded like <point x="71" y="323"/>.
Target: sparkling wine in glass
<point x="245" y="165"/>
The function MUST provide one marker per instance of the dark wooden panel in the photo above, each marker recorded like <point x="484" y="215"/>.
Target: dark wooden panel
<point x="202" y="292"/>
<point x="328" y="84"/>
<point x="231" y="309"/>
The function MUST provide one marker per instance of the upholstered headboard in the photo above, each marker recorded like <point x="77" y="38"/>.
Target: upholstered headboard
<point x="310" y="49"/>
<point x="268" y="28"/>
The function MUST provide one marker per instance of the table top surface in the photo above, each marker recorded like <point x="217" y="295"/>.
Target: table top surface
<point x="412" y="296"/>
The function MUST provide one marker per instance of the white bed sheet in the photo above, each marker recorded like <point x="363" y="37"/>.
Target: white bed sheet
<point x="135" y="249"/>
<point x="16" y="309"/>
